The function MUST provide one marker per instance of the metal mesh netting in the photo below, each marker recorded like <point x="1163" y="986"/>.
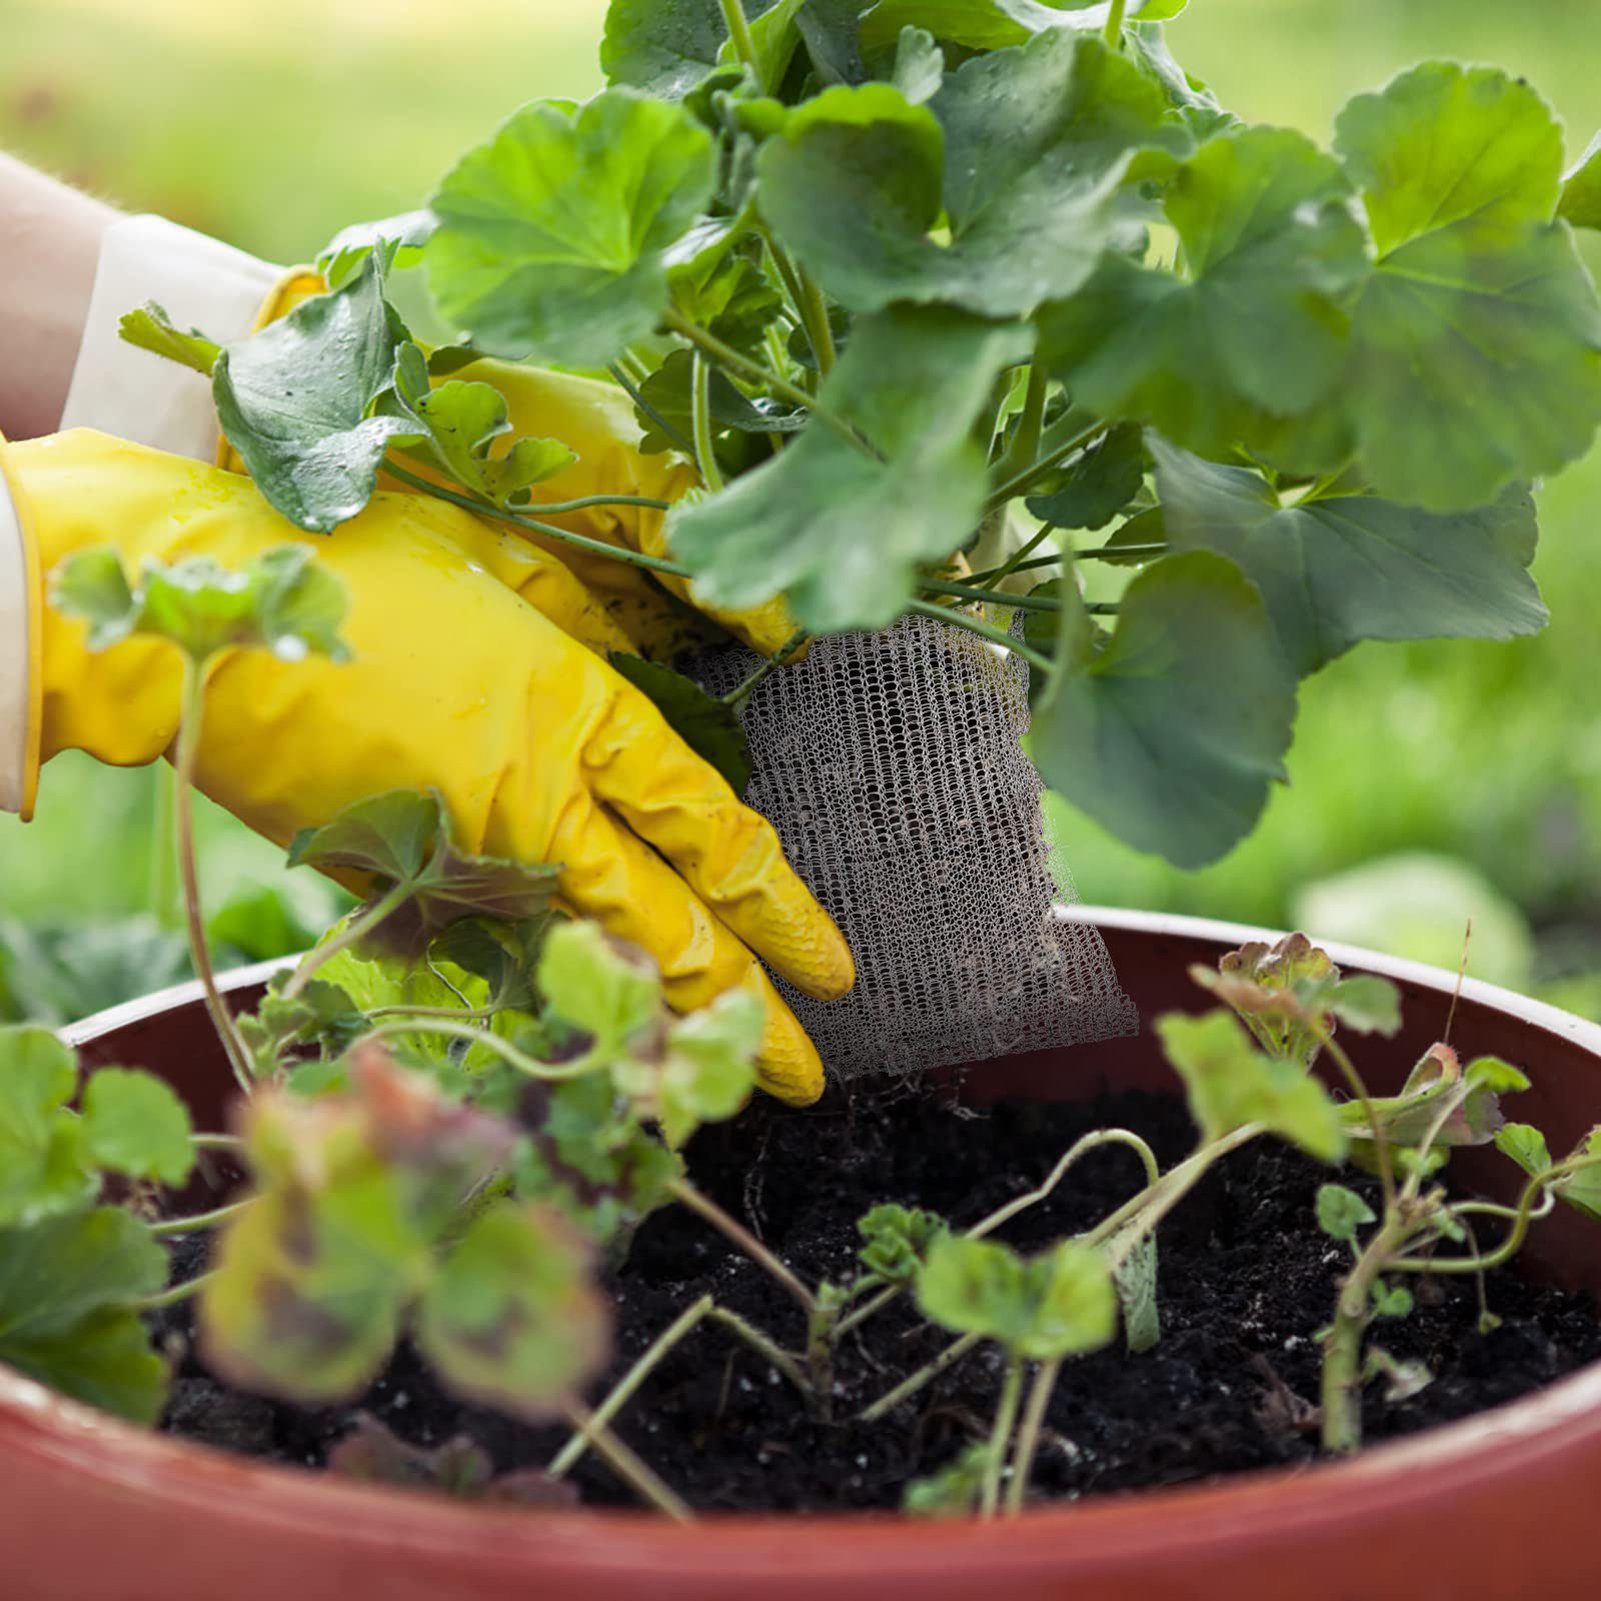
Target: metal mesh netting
<point x="890" y="765"/>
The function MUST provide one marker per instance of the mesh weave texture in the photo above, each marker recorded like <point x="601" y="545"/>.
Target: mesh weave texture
<point x="890" y="765"/>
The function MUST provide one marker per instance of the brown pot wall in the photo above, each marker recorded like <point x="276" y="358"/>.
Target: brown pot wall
<point x="1492" y="1509"/>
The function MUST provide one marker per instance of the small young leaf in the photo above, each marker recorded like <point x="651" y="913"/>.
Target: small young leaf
<point x="1096" y="485"/>
<point x="553" y="236"/>
<point x="512" y="1318"/>
<point x="1391" y="1300"/>
<point x="1366" y="1003"/>
<point x="954" y="1491"/>
<point x="897" y="1240"/>
<point x="374" y="1454"/>
<point x="1281" y="992"/>
<point x="135" y="1125"/>
<point x="919" y="66"/>
<point x="1580" y="1189"/>
<point x="608" y="991"/>
<point x="1342" y="1212"/>
<point x="1402" y="1379"/>
<point x="1526" y="1145"/>
<point x="711" y="729"/>
<point x="1171" y="734"/>
<point x="1230" y="1083"/>
<point x="150" y="328"/>
<point x="295" y="401"/>
<point x="323" y="1014"/>
<point x="665" y="47"/>
<point x="710" y="1068"/>
<point x="281" y="601"/>
<point x="67" y="1288"/>
<point x="44" y="1168"/>
<point x="397" y="241"/>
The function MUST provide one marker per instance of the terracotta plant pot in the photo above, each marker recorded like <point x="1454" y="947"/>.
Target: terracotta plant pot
<point x="1494" y="1507"/>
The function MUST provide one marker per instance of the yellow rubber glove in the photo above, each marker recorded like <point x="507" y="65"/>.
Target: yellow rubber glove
<point x="596" y="421"/>
<point x="467" y="679"/>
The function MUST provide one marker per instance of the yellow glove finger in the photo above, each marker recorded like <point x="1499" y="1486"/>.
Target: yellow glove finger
<point x="728" y="854"/>
<point x="618" y="880"/>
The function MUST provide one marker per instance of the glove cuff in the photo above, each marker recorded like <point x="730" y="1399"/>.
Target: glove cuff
<point x="21" y="642"/>
<point x="201" y="283"/>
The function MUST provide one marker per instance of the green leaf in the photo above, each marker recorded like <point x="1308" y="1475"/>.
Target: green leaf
<point x="1021" y="152"/>
<point x="553" y="236"/>
<point x="665" y="47"/>
<point x="1342" y="1212"/>
<point x="322" y="1014"/>
<point x="1581" y="1189"/>
<point x="1281" y="992"/>
<point x="710" y="1068"/>
<point x="955" y="1490"/>
<point x="405" y="838"/>
<point x="1255" y="324"/>
<point x="135" y="1125"/>
<point x="986" y="24"/>
<point x="1051" y="1306"/>
<point x="1097" y="484"/>
<point x="461" y="420"/>
<point x="150" y="328"/>
<point x="282" y="602"/>
<point x="295" y="401"/>
<point x="919" y="66"/>
<point x="512" y="1318"/>
<point x="668" y="393"/>
<point x="1476" y="356"/>
<point x="608" y="991"/>
<point x="709" y="727"/>
<point x="1230" y="1083"/>
<point x="1341" y="568"/>
<point x="397" y="241"/>
<point x="1391" y="1300"/>
<point x="1526" y="1145"/>
<point x="1411" y="1117"/>
<point x="1580" y="204"/>
<point x="896" y="1241"/>
<point x="837" y="530"/>
<point x="67" y="1286"/>
<point x="589" y="1158"/>
<point x="43" y="1165"/>
<point x="374" y="1454"/>
<point x="1171" y="733"/>
<point x="1368" y="1004"/>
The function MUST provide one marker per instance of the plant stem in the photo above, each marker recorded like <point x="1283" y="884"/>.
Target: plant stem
<point x="908" y="1387"/>
<point x="216" y="1142"/>
<point x="623" y="1391"/>
<point x="700" y="413"/>
<point x="1002" y="597"/>
<point x="174" y="1294"/>
<point x="1107" y="1136"/>
<point x="867" y="1310"/>
<point x="1000" y="1436"/>
<point x="163" y="860"/>
<point x="633" y="393"/>
<point x="353" y="933"/>
<point x="487" y="508"/>
<point x="736" y="1232"/>
<point x="556" y="508"/>
<point x="1342" y="1346"/>
<point x="1114" y="23"/>
<point x="741" y="692"/>
<point x="187" y="757"/>
<point x="810" y="306"/>
<point x="976" y="625"/>
<point x="764" y="1346"/>
<point x="627" y="1466"/>
<point x="1028" y="1434"/>
<point x="1018" y="561"/>
<point x="503" y="1048"/>
<point x="731" y="360"/>
<point x="1381" y="1143"/>
<point x="1026" y="441"/>
<point x="200" y="1220"/>
<point x="744" y="44"/>
<point x="467" y="1014"/>
<point x="1056" y="453"/>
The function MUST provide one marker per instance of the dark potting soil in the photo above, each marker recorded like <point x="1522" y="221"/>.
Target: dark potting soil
<point x="1245" y="1281"/>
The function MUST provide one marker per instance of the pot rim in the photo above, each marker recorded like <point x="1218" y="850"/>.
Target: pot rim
<point x="1413" y="1476"/>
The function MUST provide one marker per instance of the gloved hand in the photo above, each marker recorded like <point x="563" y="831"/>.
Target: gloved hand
<point x="468" y="677"/>
<point x="596" y="421"/>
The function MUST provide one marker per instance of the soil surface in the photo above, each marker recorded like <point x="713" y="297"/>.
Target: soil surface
<point x="1246" y="1280"/>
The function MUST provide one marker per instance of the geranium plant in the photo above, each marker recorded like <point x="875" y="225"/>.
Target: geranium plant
<point x="906" y="281"/>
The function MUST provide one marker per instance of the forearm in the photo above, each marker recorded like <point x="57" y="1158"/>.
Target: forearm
<point x="51" y="248"/>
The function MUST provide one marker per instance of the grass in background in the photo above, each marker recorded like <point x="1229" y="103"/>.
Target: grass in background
<point x="273" y="134"/>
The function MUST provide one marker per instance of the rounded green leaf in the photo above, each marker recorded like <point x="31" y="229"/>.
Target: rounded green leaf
<point x="1476" y="349"/>
<point x="135" y="1125"/>
<point x="512" y="1317"/>
<point x="1074" y="1303"/>
<point x="553" y="236"/>
<point x="43" y="1166"/>
<point x="1171" y="733"/>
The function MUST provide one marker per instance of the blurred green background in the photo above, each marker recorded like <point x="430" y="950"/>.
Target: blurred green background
<point x="1429" y="782"/>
